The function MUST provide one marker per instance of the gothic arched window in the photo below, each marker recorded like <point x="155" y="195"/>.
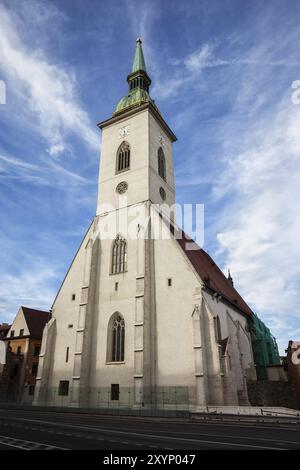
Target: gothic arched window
<point x="218" y="332"/>
<point x="119" y="255"/>
<point x="123" y="157"/>
<point x="161" y="163"/>
<point x="116" y="338"/>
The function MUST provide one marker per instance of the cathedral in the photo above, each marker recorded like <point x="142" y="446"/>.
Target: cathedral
<point x="143" y="320"/>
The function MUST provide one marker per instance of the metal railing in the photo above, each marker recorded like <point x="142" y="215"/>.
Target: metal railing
<point x="127" y="398"/>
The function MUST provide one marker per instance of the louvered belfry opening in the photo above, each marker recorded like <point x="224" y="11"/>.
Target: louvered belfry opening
<point x="123" y="157"/>
<point x="161" y="163"/>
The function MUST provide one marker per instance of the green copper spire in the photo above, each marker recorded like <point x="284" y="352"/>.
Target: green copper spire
<point x="138" y="61"/>
<point x="138" y="83"/>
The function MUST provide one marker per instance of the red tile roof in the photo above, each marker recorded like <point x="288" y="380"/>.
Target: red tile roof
<point x="36" y="320"/>
<point x="211" y="274"/>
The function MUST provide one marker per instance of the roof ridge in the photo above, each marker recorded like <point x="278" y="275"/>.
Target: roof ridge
<point x="34" y="309"/>
<point x="35" y="320"/>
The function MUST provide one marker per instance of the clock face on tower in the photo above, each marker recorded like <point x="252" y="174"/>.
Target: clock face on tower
<point x="124" y="131"/>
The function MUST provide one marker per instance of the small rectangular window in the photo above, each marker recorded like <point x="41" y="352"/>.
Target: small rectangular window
<point x="31" y="390"/>
<point x="169" y="282"/>
<point x="63" y="389"/>
<point x="12" y="333"/>
<point x="67" y="354"/>
<point x="19" y="350"/>
<point x="37" y="350"/>
<point x="73" y="296"/>
<point x="116" y="286"/>
<point x="21" y="332"/>
<point x="114" y="392"/>
<point x="34" y="369"/>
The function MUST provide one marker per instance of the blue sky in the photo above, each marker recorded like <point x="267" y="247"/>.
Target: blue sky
<point x="222" y="73"/>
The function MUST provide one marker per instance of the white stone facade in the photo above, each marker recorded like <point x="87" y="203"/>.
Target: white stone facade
<point x="172" y="357"/>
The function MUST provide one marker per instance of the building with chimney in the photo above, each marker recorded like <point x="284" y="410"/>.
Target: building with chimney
<point x="20" y="356"/>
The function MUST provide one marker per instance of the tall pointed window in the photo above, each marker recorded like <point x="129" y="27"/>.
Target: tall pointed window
<point x="119" y="255"/>
<point x="161" y="163"/>
<point x="116" y="338"/>
<point x="218" y="333"/>
<point x="123" y="157"/>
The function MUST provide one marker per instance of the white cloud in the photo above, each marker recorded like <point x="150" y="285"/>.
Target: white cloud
<point x="49" y="173"/>
<point x="31" y="288"/>
<point x="202" y="58"/>
<point x="67" y="174"/>
<point x="55" y="150"/>
<point x="187" y="70"/>
<point x="260" y="229"/>
<point x="47" y="90"/>
<point x="255" y="174"/>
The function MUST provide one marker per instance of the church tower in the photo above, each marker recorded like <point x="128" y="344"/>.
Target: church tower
<point x="136" y="154"/>
<point x="140" y="320"/>
<point x="136" y="171"/>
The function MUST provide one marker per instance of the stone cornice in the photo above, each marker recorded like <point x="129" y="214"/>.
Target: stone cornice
<point x="135" y="110"/>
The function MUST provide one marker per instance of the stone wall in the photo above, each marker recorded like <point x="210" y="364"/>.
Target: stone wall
<point x="4" y="381"/>
<point x="271" y="393"/>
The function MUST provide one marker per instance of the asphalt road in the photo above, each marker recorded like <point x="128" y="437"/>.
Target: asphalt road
<point x="47" y="430"/>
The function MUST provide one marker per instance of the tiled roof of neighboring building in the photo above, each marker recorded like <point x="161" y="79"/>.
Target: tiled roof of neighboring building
<point x="4" y="327"/>
<point x="36" y="320"/>
<point x="211" y="274"/>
